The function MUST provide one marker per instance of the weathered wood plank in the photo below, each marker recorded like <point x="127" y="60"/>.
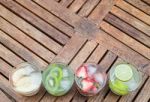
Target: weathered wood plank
<point x="133" y="11"/>
<point x="30" y="30"/>
<point x="35" y="20"/>
<point x="21" y="51"/>
<point x="144" y="95"/>
<point x="88" y="7"/>
<point x="5" y="68"/>
<point x="146" y="1"/>
<point x="97" y="55"/>
<point x="131" y="20"/>
<point x="66" y="3"/>
<point x="101" y="10"/>
<point x="140" y="5"/>
<point x="47" y="16"/>
<point x="59" y="11"/>
<point x="26" y="41"/>
<point x="111" y="97"/>
<point x="83" y="54"/>
<point x="3" y="97"/>
<point x="129" y="41"/>
<point x="9" y="56"/>
<point x="76" y="5"/>
<point x="128" y="29"/>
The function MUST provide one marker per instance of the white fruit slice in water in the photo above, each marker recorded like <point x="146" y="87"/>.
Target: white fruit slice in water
<point x="123" y="72"/>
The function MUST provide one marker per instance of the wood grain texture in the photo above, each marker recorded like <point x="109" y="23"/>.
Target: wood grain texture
<point x="134" y="44"/>
<point x="133" y="11"/>
<point x="30" y="30"/>
<point x="140" y="5"/>
<point x="36" y="21"/>
<point x="3" y="97"/>
<point x="131" y="31"/>
<point x="74" y="32"/>
<point x="131" y="20"/>
<point x="101" y="10"/>
<point x="47" y="16"/>
<point x="144" y="95"/>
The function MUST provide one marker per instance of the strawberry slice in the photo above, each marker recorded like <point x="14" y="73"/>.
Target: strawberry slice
<point x="82" y="72"/>
<point x="87" y="84"/>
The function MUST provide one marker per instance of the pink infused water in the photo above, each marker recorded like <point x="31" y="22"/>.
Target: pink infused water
<point x="90" y="79"/>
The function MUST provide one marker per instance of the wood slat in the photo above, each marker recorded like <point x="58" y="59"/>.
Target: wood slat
<point x="4" y="98"/>
<point x="21" y="50"/>
<point x="30" y="30"/>
<point x="133" y="11"/>
<point x="140" y="5"/>
<point x="83" y="54"/>
<point x="5" y="68"/>
<point x="146" y="1"/>
<point x="26" y="41"/>
<point x="128" y="29"/>
<point x="59" y="11"/>
<point x="9" y="56"/>
<point x="47" y="16"/>
<point x="88" y="7"/>
<point x="131" y="20"/>
<point x="144" y="95"/>
<point x="36" y="21"/>
<point x="121" y="36"/>
<point x="101" y="10"/>
<point x="66" y="3"/>
<point x="76" y="5"/>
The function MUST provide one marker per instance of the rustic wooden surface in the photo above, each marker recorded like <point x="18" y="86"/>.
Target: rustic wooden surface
<point x="75" y="31"/>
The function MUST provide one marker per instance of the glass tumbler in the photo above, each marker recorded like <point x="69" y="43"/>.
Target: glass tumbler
<point x="124" y="78"/>
<point x="90" y="79"/>
<point x="58" y="79"/>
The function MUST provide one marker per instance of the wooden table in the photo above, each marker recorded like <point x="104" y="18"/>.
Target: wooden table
<point x="75" y="31"/>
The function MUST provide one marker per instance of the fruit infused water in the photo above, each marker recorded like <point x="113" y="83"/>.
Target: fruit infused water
<point x="26" y="79"/>
<point x="89" y="79"/>
<point x="58" y="79"/>
<point x="124" y="78"/>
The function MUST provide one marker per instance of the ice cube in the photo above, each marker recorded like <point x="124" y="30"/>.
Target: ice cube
<point x="65" y="84"/>
<point x="65" y="73"/>
<point x="99" y="78"/>
<point x="91" y="70"/>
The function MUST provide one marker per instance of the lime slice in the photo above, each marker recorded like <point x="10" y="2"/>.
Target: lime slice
<point x="118" y="87"/>
<point x="123" y="72"/>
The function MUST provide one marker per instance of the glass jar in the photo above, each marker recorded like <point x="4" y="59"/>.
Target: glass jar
<point x="90" y="79"/>
<point x="124" y="78"/>
<point x="58" y="79"/>
<point x="26" y="79"/>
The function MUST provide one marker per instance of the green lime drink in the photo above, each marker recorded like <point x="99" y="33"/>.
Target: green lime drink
<point x="58" y="79"/>
<point x="124" y="78"/>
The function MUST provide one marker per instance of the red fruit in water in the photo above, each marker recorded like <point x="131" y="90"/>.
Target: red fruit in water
<point x="87" y="84"/>
<point x="82" y="72"/>
<point x="94" y="89"/>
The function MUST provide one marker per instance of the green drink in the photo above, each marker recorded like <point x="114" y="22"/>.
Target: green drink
<point x="58" y="79"/>
<point x="124" y="78"/>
